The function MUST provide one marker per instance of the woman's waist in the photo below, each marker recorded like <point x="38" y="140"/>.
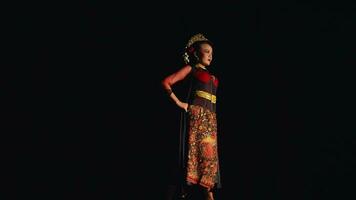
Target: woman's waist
<point x="204" y="103"/>
<point x="205" y="95"/>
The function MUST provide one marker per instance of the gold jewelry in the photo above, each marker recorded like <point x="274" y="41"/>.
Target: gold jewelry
<point x="196" y="38"/>
<point x="198" y="66"/>
<point x="206" y="95"/>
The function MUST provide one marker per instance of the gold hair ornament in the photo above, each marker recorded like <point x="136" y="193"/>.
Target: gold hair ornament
<point x="195" y="38"/>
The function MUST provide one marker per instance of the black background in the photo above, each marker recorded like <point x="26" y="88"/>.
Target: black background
<point x="87" y="117"/>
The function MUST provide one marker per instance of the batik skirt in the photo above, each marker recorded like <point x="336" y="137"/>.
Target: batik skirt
<point x="202" y="157"/>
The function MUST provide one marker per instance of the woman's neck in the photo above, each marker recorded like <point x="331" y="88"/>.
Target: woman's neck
<point x="199" y="65"/>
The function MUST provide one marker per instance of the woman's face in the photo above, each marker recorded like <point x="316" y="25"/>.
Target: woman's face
<point x="205" y="54"/>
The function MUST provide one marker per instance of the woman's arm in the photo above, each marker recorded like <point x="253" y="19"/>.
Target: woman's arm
<point x="170" y="80"/>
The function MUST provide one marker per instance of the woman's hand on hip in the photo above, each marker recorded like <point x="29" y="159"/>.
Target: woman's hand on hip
<point x="183" y="105"/>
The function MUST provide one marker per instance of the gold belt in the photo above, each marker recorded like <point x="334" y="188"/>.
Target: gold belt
<point x="206" y="95"/>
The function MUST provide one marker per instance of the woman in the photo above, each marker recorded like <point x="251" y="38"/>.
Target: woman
<point x="201" y="163"/>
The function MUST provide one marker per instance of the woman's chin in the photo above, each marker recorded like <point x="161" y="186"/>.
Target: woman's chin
<point x="206" y="64"/>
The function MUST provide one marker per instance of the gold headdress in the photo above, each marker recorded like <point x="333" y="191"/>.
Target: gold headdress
<point x="188" y="49"/>
<point x="196" y="38"/>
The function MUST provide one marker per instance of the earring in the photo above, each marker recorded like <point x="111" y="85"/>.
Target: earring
<point x="196" y="56"/>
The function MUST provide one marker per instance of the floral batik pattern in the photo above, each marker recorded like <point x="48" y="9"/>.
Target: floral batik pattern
<point x="202" y="166"/>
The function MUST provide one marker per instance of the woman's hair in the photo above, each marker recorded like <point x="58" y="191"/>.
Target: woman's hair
<point x="193" y="47"/>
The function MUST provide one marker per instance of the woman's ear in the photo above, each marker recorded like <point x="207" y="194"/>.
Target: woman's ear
<point x="196" y="55"/>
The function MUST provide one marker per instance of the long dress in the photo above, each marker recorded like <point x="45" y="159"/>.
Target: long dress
<point x="201" y="155"/>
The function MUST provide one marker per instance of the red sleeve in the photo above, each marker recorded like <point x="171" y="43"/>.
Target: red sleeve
<point x="171" y="79"/>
